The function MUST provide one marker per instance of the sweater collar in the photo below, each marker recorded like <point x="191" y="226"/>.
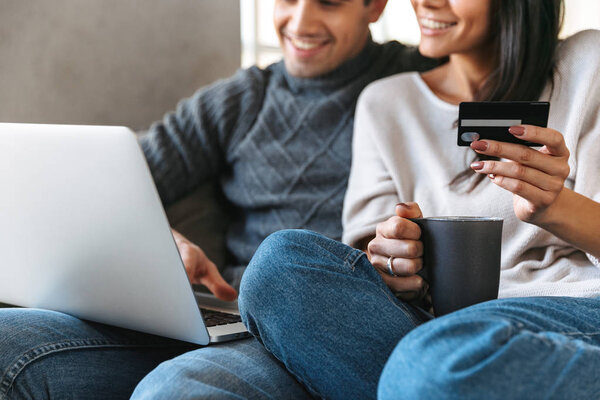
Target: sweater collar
<point x="337" y="78"/>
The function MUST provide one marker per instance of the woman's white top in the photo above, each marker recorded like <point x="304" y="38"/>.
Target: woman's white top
<point x="405" y="149"/>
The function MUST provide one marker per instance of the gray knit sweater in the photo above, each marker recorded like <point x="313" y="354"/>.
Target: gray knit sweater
<point x="279" y="146"/>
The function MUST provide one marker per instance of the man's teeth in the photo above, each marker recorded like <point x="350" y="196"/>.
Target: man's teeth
<point x="302" y="45"/>
<point x="432" y="24"/>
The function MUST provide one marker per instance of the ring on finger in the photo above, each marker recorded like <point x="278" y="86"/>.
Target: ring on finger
<point x="389" y="266"/>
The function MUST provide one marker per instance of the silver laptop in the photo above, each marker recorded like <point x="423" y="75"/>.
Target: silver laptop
<point x="83" y="231"/>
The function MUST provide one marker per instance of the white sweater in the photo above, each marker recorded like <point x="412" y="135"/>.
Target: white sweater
<point x="405" y="149"/>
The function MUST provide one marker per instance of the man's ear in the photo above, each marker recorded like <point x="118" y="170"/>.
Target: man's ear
<point x="376" y="8"/>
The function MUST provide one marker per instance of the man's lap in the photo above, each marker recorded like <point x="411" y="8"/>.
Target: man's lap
<point x="45" y="353"/>
<point x="234" y="370"/>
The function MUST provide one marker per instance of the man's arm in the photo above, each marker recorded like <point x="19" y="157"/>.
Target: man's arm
<point x="189" y="146"/>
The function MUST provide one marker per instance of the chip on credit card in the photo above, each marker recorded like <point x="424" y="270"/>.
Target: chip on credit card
<point x="491" y="120"/>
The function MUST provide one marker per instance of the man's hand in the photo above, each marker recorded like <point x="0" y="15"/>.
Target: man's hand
<point x="201" y="270"/>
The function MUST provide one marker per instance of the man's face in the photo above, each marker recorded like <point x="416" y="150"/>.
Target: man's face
<point x="317" y="36"/>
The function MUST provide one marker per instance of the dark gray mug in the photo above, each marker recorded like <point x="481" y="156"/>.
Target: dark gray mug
<point x="461" y="260"/>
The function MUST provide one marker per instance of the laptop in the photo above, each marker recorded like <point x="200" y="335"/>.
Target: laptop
<point x="83" y="232"/>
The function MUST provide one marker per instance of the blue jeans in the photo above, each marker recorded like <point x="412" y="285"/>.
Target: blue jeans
<point x="322" y="309"/>
<point x="45" y="354"/>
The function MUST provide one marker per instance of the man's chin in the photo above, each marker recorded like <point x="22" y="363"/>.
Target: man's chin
<point x="307" y="70"/>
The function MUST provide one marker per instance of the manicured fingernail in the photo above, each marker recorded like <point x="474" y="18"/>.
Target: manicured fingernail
<point x="517" y="130"/>
<point x="403" y="205"/>
<point x="479" y="146"/>
<point x="477" y="165"/>
<point x="492" y="176"/>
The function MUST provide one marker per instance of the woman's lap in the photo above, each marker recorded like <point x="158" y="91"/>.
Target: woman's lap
<point x="322" y="309"/>
<point x="537" y="347"/>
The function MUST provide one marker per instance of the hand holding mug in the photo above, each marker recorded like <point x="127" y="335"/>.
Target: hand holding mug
<point x="397" y="249"/>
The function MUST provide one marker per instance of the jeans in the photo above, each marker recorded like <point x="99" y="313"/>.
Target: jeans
<point x="321" y="308"/>
<point x="46" y="354"/>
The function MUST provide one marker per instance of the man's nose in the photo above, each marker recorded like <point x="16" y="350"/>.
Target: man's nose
<point x="303" y="21"/>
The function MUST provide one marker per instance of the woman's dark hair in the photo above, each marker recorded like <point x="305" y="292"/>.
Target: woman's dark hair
<point x="524" y="37"/>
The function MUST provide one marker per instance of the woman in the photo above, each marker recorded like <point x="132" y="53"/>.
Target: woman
<point x="346" y="326"/>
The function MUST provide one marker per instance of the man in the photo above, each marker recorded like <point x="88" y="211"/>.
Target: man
<point x="278" y="141"/>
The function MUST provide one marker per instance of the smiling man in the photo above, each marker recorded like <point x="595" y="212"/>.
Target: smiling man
<point x="278" y="143"/>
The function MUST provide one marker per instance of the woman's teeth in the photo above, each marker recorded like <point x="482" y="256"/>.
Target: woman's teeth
<point x="432" y="24"/>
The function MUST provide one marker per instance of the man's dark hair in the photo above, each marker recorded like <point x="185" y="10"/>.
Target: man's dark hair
<point x="524" y="37"/>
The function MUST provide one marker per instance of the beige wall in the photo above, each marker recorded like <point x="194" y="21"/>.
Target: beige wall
<point x="122" y="62"/>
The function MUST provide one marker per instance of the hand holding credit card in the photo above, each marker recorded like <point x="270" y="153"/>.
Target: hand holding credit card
<point x="491" y="120"/>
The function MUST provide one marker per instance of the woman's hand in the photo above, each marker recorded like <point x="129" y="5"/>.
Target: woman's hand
<point x="535" y="177"/>
<point x="398" y="238"/>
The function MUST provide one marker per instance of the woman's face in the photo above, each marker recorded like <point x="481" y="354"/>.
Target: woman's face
<point x="452" y="26"/>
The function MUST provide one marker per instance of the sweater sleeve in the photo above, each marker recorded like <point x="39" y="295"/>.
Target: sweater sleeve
<point x="583" y="97"/>
<point x="189" y="146"/>
<point x="371" y="193"/>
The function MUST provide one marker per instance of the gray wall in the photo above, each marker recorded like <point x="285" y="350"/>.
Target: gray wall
<point x="114" y="62"/>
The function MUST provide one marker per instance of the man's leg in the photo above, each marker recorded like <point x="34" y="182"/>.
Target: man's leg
<point x="525" y="348"/>
<point x="241" y="369"/>
<point x="322" y="309"/>
<point x="46" y="354"/>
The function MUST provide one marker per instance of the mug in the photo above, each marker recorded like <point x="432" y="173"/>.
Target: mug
<point x="461" y="260"/>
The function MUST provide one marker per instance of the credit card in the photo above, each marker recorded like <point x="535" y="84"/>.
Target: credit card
<point x="491" y="120"/>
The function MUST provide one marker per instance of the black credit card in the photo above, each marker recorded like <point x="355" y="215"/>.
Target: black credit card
<point x="491" y="120"/>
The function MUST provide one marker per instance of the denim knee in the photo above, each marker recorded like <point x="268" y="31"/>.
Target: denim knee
<point x="489" y="353"/>
<point x="269" y="273"/>
<point x="265" y="270"/>
<point x="454" y="357"/>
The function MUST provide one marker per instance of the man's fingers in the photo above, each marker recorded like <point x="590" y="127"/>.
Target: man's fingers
<point x="201" y="270"/>
<point x="213" y="280"/>
<point x="205" y="272"/>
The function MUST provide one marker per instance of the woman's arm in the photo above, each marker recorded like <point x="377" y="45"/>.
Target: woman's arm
<point x="575" y="219"/>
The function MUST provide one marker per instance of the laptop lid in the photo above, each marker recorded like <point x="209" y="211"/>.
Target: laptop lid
<point x="83" y="231"/>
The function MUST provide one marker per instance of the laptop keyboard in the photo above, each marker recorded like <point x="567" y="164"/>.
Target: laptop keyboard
<point x="214" y="318"/>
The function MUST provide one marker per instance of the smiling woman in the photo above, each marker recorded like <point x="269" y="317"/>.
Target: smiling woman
<point x="260" y="43"/>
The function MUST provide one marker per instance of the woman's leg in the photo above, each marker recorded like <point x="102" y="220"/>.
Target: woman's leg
<point x="525" y="348"/>
<point x="46" y="354"/>
<point x="322" y="309"/>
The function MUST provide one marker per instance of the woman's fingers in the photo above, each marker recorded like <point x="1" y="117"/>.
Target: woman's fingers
<point x="511" y="169"/>
<point x="538" y="198"/>
<point x="551" y="159"/>
<point x="395" y="248"/>
<point x="400" y="266"/>
<point x="398" y="228"/>
<point x="552" y="139"/>
<point x="407" y="288"/>
<point x="397" y="243"/>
